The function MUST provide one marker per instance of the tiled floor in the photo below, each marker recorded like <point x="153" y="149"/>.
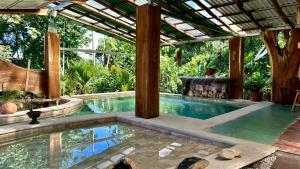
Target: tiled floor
<point x="289" y="141"/>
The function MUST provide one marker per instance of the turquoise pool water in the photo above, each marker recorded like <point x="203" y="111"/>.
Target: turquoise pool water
<point x="172" y="106"/>
<point x="263" y="126"/>
<point x="100" y="147"/>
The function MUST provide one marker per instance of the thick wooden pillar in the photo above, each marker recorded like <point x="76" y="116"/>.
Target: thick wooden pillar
<point x="147" y="61"/>
<point x="236" y="67"/>
<point x="284" y="64"/>
<point x="52" y="63"/>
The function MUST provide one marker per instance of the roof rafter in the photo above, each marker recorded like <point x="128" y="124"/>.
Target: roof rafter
<point x="102" y="30"/>
<point x="240" y="5"/>
<point x="282" y="14"/>
<point x="212" y="14"/>
<point x="102" y="21"/>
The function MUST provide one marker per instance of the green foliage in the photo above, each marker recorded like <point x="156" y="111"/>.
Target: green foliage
<point x="261" y="66"/>
<point x="24" y="34"/>
<point x="169" y="80"/>
<point x="5" y="52"/>
<point x="254" y="83"/>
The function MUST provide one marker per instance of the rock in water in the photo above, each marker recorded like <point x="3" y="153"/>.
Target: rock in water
<point x="125" y="163"/>
<point x="229" y="154"/>
<point x="193" y="163"/>
<point x="8" y="108"/>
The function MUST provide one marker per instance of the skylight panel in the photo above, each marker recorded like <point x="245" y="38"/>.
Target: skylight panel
<point x="173" y="20"/>
<point x="95" y="4"/>
<point x="195" y="32"/>
<point x="126" y="20"/>
<point x="205" y="3"/>
<point x="140" y="2"/>
<point x="88" y="20"/>
<point x="193" y="5"/>
<point x="216" y="21"/>
<point x="204" y="13"/>
<point x="216" y="12"/>
<point x="112" y="13"/>
<point x="103" y="26"/>
<point x="70" y="13"/>
<point x="184" y="26"/>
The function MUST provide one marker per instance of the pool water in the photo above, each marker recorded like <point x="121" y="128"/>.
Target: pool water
<point x="100" y="147"/>
<point x="263" y="126"/>
<point x="172" y="106"/>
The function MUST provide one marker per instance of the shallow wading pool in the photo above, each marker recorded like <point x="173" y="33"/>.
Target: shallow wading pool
<point x="101" y="147"/>
<point x="202" y="109"/>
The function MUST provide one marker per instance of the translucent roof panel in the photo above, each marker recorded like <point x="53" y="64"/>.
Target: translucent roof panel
<point x="95" y="4"/>
<point x="24" y="4"/>
<point x="68" y="12"/>
<point x="193" y="5"/>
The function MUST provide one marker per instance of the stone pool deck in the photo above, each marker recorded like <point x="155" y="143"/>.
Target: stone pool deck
<point x="178" y="126"/>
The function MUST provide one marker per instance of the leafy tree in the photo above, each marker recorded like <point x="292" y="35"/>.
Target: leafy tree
<point x="24" y="34"/>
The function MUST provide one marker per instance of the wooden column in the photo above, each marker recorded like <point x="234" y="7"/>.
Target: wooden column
<point x="52" y="63"/>
<point x="236" y="67"/>
<point x="147" y="61"/>
<point x="178" y="57"/>
<point x="284" y="64"/>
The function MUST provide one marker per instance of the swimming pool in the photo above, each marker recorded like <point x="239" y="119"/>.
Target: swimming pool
<point x="101" y="147"/>
<point x="263" y="126"/>
<point x="203" y="109"/>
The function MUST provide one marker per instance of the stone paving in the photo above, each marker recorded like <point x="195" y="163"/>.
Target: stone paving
<point x="289" y="141"/>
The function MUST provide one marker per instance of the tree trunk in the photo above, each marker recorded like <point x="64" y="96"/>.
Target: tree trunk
<point x="284" y="64"/>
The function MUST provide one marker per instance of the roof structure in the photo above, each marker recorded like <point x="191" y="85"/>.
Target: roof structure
<point x="181" y="20"/>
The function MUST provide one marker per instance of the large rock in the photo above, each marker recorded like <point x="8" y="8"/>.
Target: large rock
<point x="193" y="163"/>
<point x="229" y="154"/>
<point x="125" y="163"/>
<point x="8" y="108"/>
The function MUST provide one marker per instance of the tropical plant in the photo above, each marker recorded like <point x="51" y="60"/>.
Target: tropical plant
<point x="255" y="83"/>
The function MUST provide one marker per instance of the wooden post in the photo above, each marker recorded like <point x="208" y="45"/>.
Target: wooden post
<point x="52" y="63"/>
<point x="147" y="61"/>
<point x="284" y="64"/>
<point x="236" y="67"/>
<point x="178" y="57"/>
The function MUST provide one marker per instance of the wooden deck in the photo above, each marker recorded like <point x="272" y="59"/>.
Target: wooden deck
<point x="289" y="141"/>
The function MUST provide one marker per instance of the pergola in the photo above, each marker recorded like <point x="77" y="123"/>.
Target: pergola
<point x="150" y="24"/>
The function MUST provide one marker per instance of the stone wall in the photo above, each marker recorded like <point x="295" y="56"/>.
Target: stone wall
<point x="206" y="87"/>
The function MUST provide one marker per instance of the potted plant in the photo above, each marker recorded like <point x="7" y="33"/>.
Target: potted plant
<point x="255" y="84"/>
<point x="210" y="68"/>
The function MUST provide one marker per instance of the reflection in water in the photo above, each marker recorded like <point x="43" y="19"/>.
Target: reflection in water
<point x="100" y="147"/>
<point x="173" y="106"/>
<point x="62" y="150"/>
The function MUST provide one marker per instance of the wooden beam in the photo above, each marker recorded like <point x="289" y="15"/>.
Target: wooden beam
<point x="52" y="65"/>
<point x="147" y="61"/>
<point x="281" y="14"/>
<point x="101" y="30"/>
<point x="25" y="11"/>
<point x="236" y="67"/>
<point x="240" y="5"/>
